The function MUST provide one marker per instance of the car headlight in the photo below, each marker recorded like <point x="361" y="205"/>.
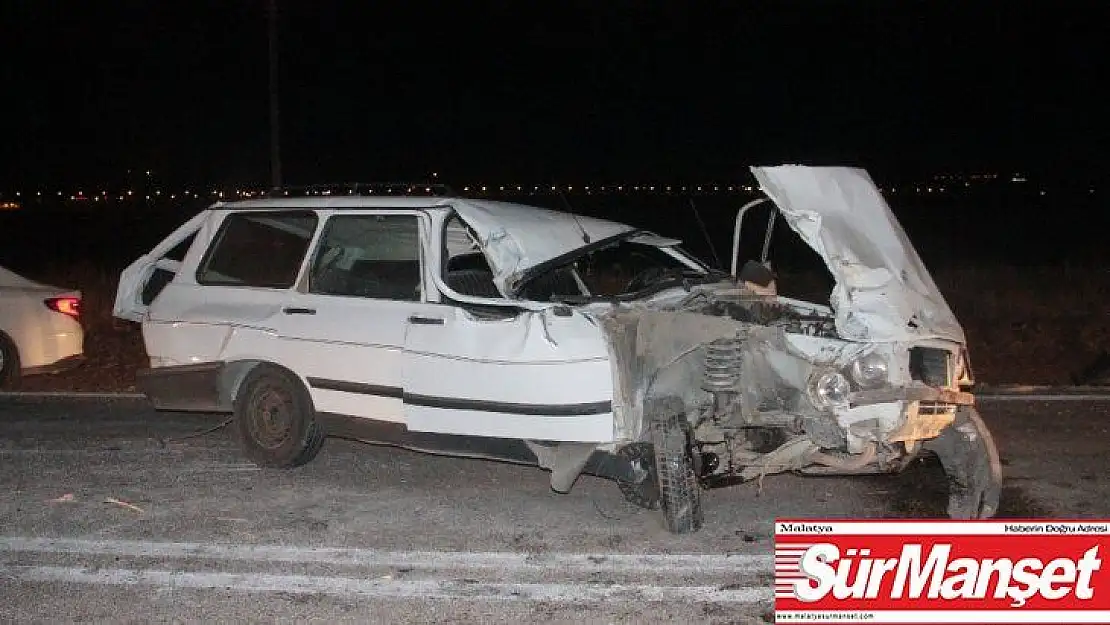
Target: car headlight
<point x="830" y="389"/>
<point x="870" y="370"/>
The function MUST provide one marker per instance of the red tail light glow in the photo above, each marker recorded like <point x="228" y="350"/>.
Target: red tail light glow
<point x="68" y="305"/>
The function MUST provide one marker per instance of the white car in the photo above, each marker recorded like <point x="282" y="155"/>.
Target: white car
<point x="40" y="329"/>
<point x="491" y="329"/>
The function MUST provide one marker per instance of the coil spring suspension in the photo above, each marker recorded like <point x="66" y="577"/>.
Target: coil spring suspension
<point x="722" y="365"/>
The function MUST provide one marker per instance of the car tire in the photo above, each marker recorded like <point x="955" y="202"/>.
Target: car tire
<point x="645" y="493"/>
<point x="276" y="420"/>
<point x="679" y="491"/>
<point x="10" y="367"/>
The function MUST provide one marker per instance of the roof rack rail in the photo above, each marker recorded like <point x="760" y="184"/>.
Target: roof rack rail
<point x="362" y="189"/>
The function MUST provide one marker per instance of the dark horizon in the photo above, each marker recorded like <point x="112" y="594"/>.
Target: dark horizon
<point x="502" y="93"/>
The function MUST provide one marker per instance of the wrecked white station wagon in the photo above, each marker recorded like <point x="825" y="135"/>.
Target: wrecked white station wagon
<point x="477" y="328"/>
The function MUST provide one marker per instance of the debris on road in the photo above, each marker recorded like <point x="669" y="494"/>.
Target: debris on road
<point x="124" y="504"/>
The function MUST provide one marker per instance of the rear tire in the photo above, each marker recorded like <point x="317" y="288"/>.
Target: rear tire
<point x="679" y="491"/>
<point x="10" y="367"/>
<point x="276" y="419"/>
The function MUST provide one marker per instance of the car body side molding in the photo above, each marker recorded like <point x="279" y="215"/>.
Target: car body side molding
<point x="355" y="387"/>
<point x="461" y="403"/>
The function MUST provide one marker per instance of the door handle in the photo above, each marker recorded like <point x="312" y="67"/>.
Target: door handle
<point x="425" y="321"/>
<point x="298" y="311"/>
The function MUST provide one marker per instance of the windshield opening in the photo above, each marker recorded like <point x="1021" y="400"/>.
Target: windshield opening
<point x="622" y="268"/>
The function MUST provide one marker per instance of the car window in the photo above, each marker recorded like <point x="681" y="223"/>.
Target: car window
<point x="181" y="249"/>
<point x="375" y="256"/>
<point x="258" y="249"/>
<point x="613" y="270"/>
<point x="465" y="269"/>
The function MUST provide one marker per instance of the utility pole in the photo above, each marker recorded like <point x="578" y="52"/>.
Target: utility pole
<point x="275" y="136"/>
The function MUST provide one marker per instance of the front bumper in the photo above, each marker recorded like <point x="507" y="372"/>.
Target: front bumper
<point x="928" y="394"/>
<point x="909" y="414"/>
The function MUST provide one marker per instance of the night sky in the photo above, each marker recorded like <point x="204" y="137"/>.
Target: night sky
<point x="596" y="91"/>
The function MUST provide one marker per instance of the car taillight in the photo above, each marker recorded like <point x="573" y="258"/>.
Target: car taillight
<point x="68" y="305"/>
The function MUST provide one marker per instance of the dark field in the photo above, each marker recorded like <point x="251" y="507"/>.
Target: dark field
<point x="1027" y="274"/>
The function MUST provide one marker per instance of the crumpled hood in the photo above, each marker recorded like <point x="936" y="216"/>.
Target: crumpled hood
<point x="883" y="291"/>
<point x="516" y="239"/>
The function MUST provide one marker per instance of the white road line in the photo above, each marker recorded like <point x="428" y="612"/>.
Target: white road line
<point x="506" y="561"/>
<point x="386" y="588"/>
<point x="1044" y="397"/>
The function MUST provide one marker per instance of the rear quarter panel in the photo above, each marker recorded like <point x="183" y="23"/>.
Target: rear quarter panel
<point x="42" y="337"/>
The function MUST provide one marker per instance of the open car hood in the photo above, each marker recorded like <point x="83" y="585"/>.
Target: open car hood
<point x="883" y="291"/>
<point x="517" y="239"/>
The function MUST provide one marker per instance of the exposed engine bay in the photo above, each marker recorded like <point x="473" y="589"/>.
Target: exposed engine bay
<point x="767" y="385"/>
<point x="768" y="312"/>
<point x="727" y="381"/>
<point x="729" y="439"/>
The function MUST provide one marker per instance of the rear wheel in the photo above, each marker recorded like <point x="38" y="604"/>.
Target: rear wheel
<point x="9" y="364"/>
<point x="679" y="491"/>
<point x="276" y="419"/>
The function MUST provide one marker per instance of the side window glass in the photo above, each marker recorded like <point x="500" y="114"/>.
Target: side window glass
<point x="466" y="270"/>
<point x="181" y="249"/>
<point x="376" y="256"/>
<point x="258" y="249"/>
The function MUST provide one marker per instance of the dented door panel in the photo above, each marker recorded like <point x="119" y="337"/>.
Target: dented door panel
<point x="535" y="375"/>
<point x="188" y="324"/>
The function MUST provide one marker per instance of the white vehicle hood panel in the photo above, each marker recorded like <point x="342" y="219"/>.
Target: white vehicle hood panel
<point x="883" y="291"/>
<point x="516" y="238"/>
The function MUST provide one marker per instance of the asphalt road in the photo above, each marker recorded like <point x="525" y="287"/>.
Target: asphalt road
<point x="373" y="534"/>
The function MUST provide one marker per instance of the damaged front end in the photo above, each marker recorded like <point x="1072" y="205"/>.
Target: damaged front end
<point x="765" y="397"/>
<point x="742" y="383"/>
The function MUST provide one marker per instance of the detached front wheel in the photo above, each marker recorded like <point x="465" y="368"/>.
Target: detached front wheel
<point x="970" y="459"/>
<point x="679" y="491"/>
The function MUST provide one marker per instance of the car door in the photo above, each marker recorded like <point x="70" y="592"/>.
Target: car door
<point x="535" y="375"/>
<point x="499" y="370"/>
<point x="343" y="328"/>
<point x="225" y="303"/>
